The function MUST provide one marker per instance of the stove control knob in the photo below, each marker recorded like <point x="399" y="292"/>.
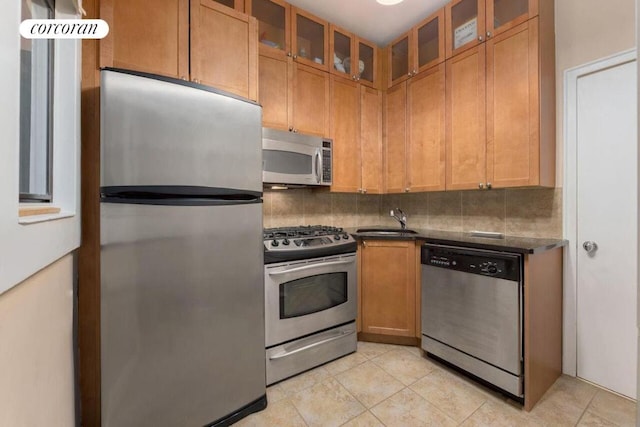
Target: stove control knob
<point x="285" y="242"/>
<point x="336" y="237"/>
<point x="298" y="242"/>
<point x="345" y="236"/>
<point x="274" y="243"/>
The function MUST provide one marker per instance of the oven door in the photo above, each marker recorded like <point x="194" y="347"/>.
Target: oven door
<point x="290" y="163"/>
<point x="304" y="297"/>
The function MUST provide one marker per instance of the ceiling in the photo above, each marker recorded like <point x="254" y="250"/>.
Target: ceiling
<point x="370" y="20"/>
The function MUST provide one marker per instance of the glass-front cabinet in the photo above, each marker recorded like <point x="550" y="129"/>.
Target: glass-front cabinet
<point x="399" y="60"/>
<point x="310" y="39"/>
<point x="352" y="57"/>
<point x="233" y="4"/>
<point x="418" y="50"/>
<point x="342" y="52"/>
<point x="367" y="63"/>
<point x="273" y="26"/>
<point x="465" y="25"/>
<point x="503" y="15"/>
<point x="429" y="36"/>
<point x="471" y="22"/>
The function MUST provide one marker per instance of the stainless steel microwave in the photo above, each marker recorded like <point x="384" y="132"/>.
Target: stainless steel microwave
<point x="291" y="158"/>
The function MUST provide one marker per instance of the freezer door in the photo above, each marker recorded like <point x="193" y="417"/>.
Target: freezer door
<point x="157" y="132"/>
<point x="182" y="313"/>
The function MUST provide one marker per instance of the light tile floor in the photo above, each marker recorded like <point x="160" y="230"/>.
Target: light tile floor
<point x="389" y="385"/>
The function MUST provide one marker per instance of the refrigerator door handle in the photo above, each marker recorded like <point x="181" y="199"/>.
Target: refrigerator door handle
<point x="308" y="267"/>
<point x="341" y="334"/>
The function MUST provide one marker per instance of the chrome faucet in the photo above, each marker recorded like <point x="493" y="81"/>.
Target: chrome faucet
<point x="399" y="216"/>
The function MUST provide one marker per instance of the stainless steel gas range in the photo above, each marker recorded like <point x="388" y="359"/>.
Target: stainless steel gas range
<point x="310" y="298"/>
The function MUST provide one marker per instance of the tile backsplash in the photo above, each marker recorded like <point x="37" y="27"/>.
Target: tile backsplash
<point x="532" y="212"/>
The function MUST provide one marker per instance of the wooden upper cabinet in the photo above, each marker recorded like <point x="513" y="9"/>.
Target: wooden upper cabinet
<point x="233" y="4"/>
<point x="310" y="101"/>
<point x="345" y="132"/>
<point x="371" y="140"/>
<point x="502" y="15"/>
<point x="470" y="22"/>
<point x="429" y="42"/>
<point x="395" y="141"/>
<point x="352" y="57"/>
<point x="426" y="130"/>
<point x="465" y="120"/>
<point x="342" y="51"/>
<point x="400" y="59"/>
<point x="465" y="25"/>
<point x="520" y="140"/>
<point x="160" y="46"/>
<point x="224" y="48"/>
<point x="368" y="63"/>
<point x="274" y="26"/>
<point x="418" y="50"/>
<point x="309" y="39"/>
<point x="274" y="96"/>
<point x="388" y="287"/>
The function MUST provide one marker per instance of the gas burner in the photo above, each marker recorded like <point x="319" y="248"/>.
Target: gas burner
<point x="305" y="241"/>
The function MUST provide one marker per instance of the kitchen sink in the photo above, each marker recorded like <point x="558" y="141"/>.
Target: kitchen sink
<point x="386" y="231"/>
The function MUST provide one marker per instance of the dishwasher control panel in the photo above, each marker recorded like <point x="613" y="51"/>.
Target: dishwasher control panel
<point x="485" y="263"/>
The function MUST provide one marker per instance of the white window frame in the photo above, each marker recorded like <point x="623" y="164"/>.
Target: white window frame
<point x="29" y="244"/>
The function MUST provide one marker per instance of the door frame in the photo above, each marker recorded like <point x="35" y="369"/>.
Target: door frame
<point x="569" y="202"/>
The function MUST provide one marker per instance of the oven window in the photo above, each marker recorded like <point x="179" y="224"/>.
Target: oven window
<point x="312" y="294"/>
<point x="286" y="162"/>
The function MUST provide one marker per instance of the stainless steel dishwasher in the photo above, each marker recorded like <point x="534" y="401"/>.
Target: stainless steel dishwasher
<point x="472" y="312"/>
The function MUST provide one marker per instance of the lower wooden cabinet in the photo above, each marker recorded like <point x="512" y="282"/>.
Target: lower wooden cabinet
<point x="387" y="275"/>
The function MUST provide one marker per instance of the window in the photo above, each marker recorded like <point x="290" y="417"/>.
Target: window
<point x="36" y="112"/>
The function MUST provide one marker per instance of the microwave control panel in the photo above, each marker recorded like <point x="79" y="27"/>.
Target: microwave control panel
<point x="326" y="162"/>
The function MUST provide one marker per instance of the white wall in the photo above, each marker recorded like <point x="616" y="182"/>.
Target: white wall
<point x="587" y="30"/>
<point x="36" y="268"/>
<point x="36" y="349"/>
<point x="27" y="248"/>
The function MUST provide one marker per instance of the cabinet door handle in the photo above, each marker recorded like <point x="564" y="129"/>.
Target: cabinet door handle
<point x="295" y="130"/>
<point x="364" y="191"/>
<point x="488" y="34"/>
<point x="409" y="74"/>
<point x="289" y="54"/>
<point x="406" y="190"/>
<point x="480" y="38"/>
<point x="488" y="186"/>
<point x="295" y="56"/>
<point x="481" y="185"/>
<point x="290" y="128"/>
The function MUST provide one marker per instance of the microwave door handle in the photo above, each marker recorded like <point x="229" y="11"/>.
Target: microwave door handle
<point x="318" y="165"/>
<point x="308" y="267"/>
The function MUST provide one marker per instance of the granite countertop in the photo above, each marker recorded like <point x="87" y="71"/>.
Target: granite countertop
<point x="522" y="245"/>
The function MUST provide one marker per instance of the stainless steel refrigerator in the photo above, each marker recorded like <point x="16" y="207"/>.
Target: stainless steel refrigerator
<point x="182" y="282"/>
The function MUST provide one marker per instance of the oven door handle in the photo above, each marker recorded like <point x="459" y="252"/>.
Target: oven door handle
<point x="308" y="267"/>
<point x="284" y="354"/>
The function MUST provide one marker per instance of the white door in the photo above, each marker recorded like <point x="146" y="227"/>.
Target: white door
<point x="607" y="228"/>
